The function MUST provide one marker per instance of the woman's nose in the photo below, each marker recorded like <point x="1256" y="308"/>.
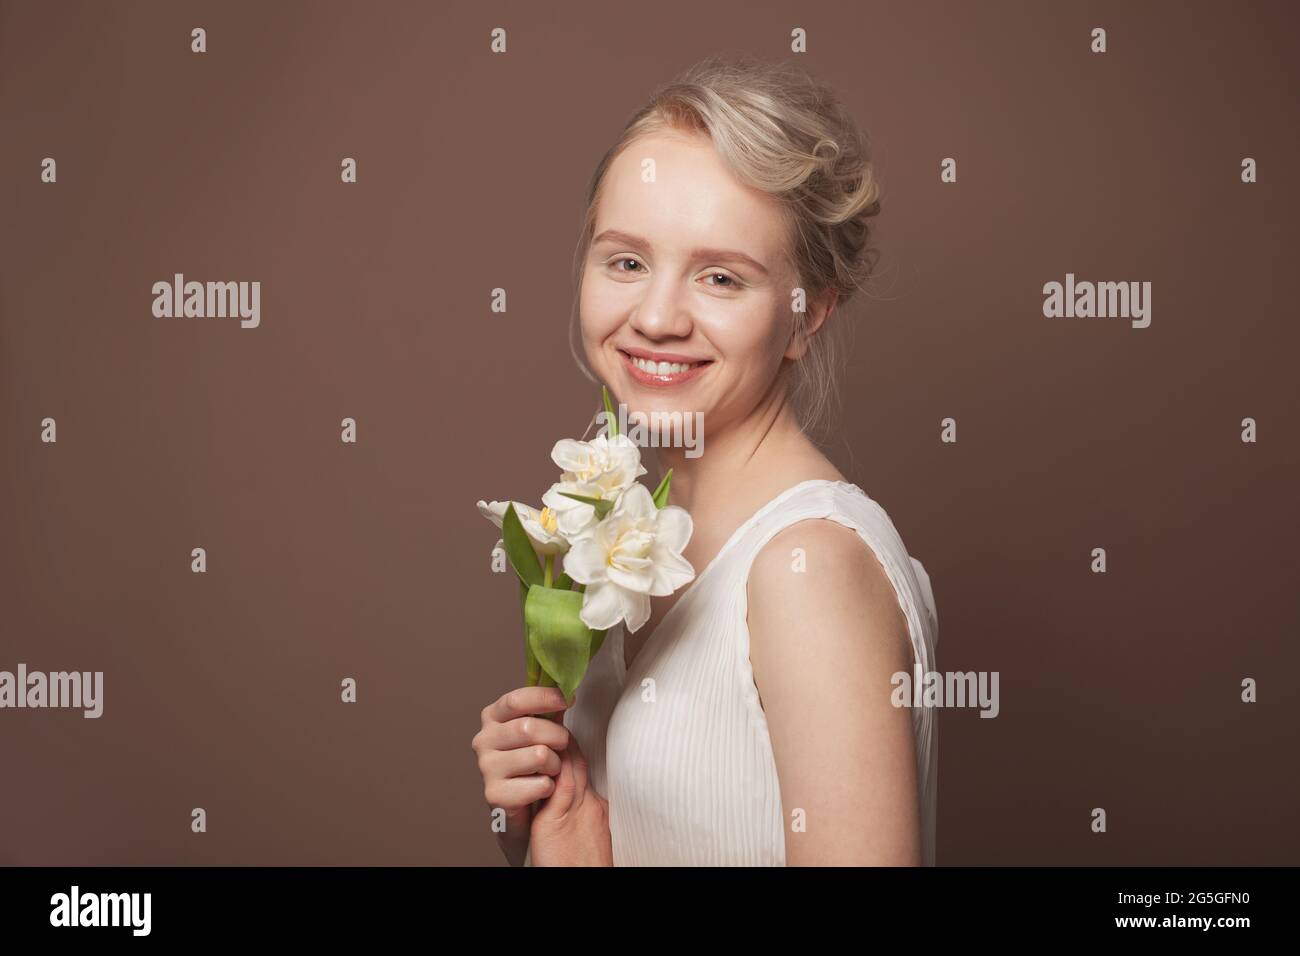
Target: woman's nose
<point x="662" y="314"/>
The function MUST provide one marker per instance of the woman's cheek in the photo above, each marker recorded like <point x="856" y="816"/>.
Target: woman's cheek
<point x="600" y="308"/>
<point x="594" y="327"/>
<point x="748" y="339"/>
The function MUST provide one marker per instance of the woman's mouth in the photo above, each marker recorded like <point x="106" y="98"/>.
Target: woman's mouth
<point x="650" y="370"/>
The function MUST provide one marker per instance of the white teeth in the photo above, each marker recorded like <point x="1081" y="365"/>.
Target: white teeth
<point x="662" y="368"/>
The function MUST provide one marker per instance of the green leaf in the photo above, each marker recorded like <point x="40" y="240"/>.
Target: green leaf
<point x="661" y="493"/>
<point x="557" y="636"/>
<point x="532" y="666"/>
<point x="610" y="418"/>
<point x="602" y="505"/>
<point x="563" y="582"/>
<point x="597" y="639"/>
<point x="519" y="548"/>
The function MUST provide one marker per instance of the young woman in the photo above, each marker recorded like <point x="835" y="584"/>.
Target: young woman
<point x="752" y="720"/>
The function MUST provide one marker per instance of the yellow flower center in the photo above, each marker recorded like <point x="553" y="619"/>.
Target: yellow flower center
<point x="546" y="518"/>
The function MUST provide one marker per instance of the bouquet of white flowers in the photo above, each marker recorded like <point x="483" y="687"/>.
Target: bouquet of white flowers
<point x="620" y="544"/>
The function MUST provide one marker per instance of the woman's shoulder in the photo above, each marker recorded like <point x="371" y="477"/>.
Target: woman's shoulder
<point x="829" y="552"/>
<point x="821" y="604"/>
<point x="828" y="540"/>
<point x="834" y="514"/>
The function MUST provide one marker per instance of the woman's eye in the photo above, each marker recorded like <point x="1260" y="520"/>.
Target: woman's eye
<point x="634" y="267"/>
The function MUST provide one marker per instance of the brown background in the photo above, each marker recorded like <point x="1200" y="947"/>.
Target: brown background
<point x="329" y="560"/>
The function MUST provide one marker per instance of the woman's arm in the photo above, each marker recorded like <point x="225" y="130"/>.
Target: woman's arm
<point x="824" y="644"/>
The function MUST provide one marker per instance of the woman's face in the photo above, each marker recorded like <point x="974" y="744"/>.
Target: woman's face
<point x="689" y="272"/>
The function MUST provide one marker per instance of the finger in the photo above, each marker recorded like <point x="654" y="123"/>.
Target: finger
<point x="521" y="762"/>
<point x="521" y="732"/>
<point x="525" y="731"/>
<point x="518" y="793"/>
<point x="523" y="701"/>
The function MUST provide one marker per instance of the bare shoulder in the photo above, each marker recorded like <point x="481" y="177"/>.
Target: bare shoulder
<point x="819" y="581"/>
<point x="818" y="560"/>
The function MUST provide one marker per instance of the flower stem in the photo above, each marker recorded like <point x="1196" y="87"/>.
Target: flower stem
<point x="550" y="570"/>
<point x="546" y="680"/>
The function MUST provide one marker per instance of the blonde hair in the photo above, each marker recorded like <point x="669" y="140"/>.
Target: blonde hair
<point x="784" y="133"/>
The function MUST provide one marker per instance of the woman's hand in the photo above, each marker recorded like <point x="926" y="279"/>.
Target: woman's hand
<point x="572" y="827"/>
<point x="519" y="758"/>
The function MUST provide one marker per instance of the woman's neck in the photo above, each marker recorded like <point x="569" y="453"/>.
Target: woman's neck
<point x="743" y="454"/>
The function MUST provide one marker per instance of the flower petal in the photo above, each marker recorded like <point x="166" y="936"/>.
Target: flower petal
<point x="550" y="546"/>
<point x="671" y="571"/>
<point x="636" y="609"/>
<point x="494" y="511"/>
<point x="673" y="528"/>
<point x="635" y="502"/>
<point x="571" y="455"/>
<point x="572" y="517"/>
<point x="638" y="580"/>
<point x="585" y="562"/>
<point x="601" y="607"/>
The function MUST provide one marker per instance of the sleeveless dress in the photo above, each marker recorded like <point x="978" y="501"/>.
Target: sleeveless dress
<point x="690" y="777"/>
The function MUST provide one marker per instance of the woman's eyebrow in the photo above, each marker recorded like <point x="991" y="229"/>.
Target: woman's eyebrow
<point x="636" y="242"/>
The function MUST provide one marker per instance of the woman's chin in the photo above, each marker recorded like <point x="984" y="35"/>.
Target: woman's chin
<point x="640" y="404"/>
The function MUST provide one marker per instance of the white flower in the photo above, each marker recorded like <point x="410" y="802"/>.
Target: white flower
<point x="633" y="553"/>
<point x="540" y="526"/>
<point x="602" y="468"/>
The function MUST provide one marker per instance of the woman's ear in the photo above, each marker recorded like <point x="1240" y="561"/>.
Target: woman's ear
<point x="807" y="326"/>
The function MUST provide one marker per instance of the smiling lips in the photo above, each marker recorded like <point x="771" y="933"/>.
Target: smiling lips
<point x="659" y="371"/>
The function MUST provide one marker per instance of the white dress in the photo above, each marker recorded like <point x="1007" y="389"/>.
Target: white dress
<point x="689" y="776"/>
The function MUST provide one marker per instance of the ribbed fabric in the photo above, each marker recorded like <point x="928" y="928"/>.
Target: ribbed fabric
<point x="679" y="746"/>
